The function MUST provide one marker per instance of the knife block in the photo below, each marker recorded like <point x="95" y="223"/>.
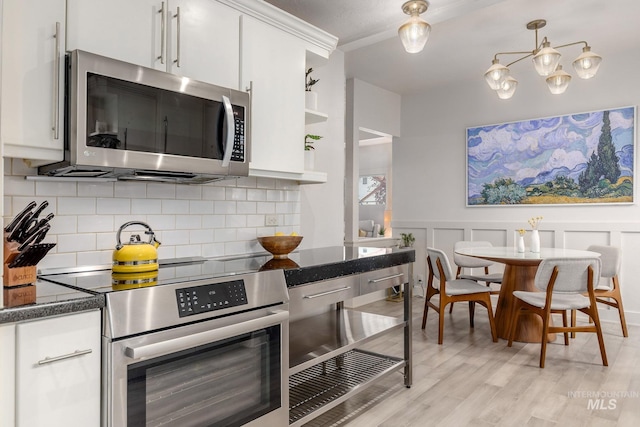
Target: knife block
<point x="16" y="276"/>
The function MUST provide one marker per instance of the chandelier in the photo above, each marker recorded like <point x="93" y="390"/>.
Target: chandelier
<point x="546" y="60"/>
<point x="415" y="32"/>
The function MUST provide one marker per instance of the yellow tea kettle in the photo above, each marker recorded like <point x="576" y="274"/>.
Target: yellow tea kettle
<point x="136" y="256"/>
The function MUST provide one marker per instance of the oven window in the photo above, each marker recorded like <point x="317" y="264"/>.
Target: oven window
<point x="227" y="383"/>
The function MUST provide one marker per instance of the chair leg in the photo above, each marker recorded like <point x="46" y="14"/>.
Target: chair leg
<point x="515" y="313"/>
<point x="472" y="312"/>
<point x="492" y="322"/>
<point x="623" y="322"/>
<point x="424" y="313"/>
<point x="441" y="325"/>
<point x="450" y="308"/>
<point x="573" y="323"/>
<point x="564" y="323"/>
<point x="545" y="333"/>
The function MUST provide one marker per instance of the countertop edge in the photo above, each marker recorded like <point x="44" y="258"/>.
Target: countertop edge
<point x="43" y="310"/>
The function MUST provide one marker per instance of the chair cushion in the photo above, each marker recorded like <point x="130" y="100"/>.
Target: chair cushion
<point x="492" y="277"/>
<point x="560" y="301"/>
<point x="464" y="286"/>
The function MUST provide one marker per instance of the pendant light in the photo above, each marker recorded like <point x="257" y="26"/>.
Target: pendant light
<point x="546" y="61"/>
<point x="415" y="32"/>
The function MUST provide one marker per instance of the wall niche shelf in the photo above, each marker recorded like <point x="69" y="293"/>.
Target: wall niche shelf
<point x="312" y="116"/>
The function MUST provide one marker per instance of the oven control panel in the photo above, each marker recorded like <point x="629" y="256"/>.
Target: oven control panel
<point x="205" y="298"/>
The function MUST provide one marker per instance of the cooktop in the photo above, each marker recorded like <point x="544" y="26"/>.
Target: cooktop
<point x="300" y="267"/>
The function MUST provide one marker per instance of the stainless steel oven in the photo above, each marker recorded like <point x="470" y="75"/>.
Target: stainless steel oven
<point x="198" y="348"/>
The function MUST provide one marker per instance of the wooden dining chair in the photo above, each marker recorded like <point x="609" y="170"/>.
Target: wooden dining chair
<point x="469" y="262"/>
<point x="607" y="288"/>
<point x="566" y="284"/>
<point x="443" y="283"/>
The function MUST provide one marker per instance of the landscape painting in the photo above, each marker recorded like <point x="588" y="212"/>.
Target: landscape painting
<point x="573" y="159"/>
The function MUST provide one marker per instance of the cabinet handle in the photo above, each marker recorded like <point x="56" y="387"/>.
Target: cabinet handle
<point x="64" y="356"/>
<point x="56" y="85"/>
<point x="163" y="31"/>
<point x="177" y="16"/>
<point x="321" y="294"/>
<point x="382" y="279"/>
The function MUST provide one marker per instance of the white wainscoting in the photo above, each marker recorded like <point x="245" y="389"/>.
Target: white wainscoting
<point x="570" y="235"/>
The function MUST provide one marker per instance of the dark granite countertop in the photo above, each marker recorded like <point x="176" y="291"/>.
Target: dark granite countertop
<point x="51" y="300"/>
<point x="312" y="265"/>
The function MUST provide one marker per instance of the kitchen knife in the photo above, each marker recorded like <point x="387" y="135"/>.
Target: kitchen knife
<point x="17" y="219"/>
<point x="35" y="238"/>
<point x="18" y="230"/>
<point x="32" y="255"/>
<point x="35" y="228"/>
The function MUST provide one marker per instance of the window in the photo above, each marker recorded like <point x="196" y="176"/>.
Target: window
<point x="372" y="190"/>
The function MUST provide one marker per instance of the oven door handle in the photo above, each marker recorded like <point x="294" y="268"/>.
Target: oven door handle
<point x="194" y="340"/>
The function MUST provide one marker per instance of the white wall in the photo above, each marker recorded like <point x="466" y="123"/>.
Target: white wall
<point x="429" y="165"/>
<point x="322" y="205"/>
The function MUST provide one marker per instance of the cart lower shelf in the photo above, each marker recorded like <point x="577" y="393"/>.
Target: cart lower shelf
<point x="321" y="387"/>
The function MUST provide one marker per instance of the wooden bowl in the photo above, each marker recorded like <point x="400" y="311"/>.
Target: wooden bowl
<point x="280" y="246"/>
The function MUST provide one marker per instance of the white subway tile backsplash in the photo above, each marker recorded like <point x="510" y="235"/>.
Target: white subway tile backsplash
<point x="98" y="189"/>
<point x="55" y="188"/>
<point x="161" y="191"/>
<point x="266" y="207"/>
<point x="175" y="207"/>
<point x="224" y="208"/>
<point x="213" y="221"/>
<point x="94" y="223"/>
<point x="225" y="235"/>
<point x="258" y="195"/>
<point x="235" y="194"/>
<point x="76" y="242"/>
<point x="211" y="192"/>
<point x="222" y="218"/>
<point x="18" y="186"/>
<point x="146" y="206"/>
<point x="235" y="221"/>
<point x="246" y="207"/>
<point x="161" y="222"/>
<point x="113" y="206"/>
<point x="200" y="236"/>
<point x="76" y="206"/>
<point x="189" y="192"/>
<point x="131" y="189"/>
<point x="200" y="207"/>
<point x="188" y="222"/>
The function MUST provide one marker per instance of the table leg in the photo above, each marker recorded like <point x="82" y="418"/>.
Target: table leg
<point x="529" y="328"/>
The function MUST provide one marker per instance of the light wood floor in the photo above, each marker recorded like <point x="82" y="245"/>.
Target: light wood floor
<point x="471" y="381"/>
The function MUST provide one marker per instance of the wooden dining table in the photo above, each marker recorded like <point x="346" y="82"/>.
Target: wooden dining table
<point x="519" y="273"/>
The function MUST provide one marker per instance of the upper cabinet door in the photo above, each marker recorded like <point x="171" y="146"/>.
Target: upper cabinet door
<point x="203" y="42"/>
<point x="33" y="79"/>
<point x="131" y="31"/>
<point x="198" y="39"/>
<point x="272" y="63"/>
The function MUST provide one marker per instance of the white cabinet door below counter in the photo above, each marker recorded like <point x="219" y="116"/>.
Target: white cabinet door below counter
<point x="58" y="371"/>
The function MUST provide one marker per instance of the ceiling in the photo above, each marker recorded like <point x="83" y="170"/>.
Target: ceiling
<point x="465" y="35"/>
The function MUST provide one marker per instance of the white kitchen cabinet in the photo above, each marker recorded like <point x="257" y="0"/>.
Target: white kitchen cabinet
<point x="58" y="371"/>
<point x="272" y="63"/>
<point x="32" y="79"/>
<point x="194" y="38"/>
<point x="7" y="376"/>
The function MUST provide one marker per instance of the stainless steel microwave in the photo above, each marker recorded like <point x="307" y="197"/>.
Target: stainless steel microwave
<point x="125" y="121"/>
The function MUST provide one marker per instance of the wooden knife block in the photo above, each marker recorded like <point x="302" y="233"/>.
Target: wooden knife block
<point x="18" y="283"/>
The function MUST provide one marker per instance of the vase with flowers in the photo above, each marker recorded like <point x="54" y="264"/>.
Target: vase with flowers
<point x="535" y="235"/>
<point x="520" y="240"/>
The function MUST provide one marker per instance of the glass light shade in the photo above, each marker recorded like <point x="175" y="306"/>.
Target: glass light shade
<point x="587" y="64"/>
<point x="558" y="81"/>
<point x="414" y="34"/>
<point x="508" y="88"/>
<point x="546" y="60"/>
<point x="496" y="75"/>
